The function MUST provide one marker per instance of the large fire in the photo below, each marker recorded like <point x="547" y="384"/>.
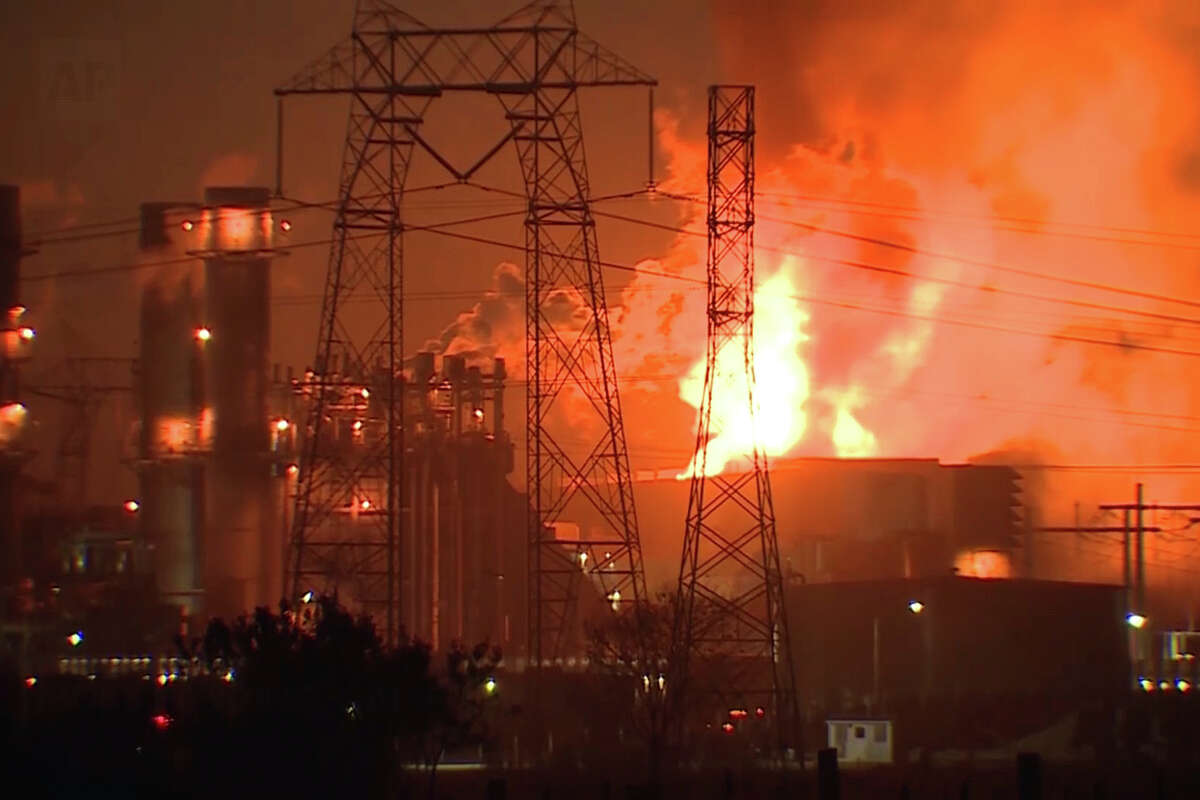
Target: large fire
<point x="781" y="391"/>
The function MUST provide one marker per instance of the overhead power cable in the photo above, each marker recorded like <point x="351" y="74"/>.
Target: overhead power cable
<point x="1027" y="273"/>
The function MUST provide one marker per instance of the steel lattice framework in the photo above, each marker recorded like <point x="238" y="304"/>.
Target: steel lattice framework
<point x="393" y="67"/>
<point x="731" y="632"/>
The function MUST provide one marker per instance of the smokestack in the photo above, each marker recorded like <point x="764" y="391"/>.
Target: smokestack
<point x="243" y="561"/>
<point x="15" y="350"/>
<point x="174" y="426"/>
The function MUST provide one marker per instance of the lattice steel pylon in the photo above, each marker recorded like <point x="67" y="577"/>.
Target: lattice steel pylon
<point x="393" y="67"/>
<point x="730" y="638"/>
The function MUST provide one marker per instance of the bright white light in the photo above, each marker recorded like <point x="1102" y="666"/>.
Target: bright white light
<point x="1182" y="685"/>
<point x="132" y="505"/>
<point x="615" y="599"/>
<point x="489" y="686"/>
<point x="75" y="639"/>
<point x="27" y="334"/>
<point x="916" y="606"/>
<point x="1135" y="620"/>
<point x="306" y="597"/>
<point x="1146" y="684"/>
<point x="282" y="425"/>
<point x="203" y="334"/>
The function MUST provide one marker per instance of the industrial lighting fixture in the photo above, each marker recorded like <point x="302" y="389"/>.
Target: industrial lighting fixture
<point x="1135" y="620"/>
<point x="31" y="681"/>
<point x="1146" y="684"/>
<point x="27" y="334"/>
<point x="358" y="425"/>
<point x="916" y="606"/>
<point x="365" y="505"/>
<point x="1182" y="685"/>
<point x="132" y="506"/>
<point x="583" y="560"/>
<point x="728" y="728"/>
<point x="75" y="639"/>
<point x="479" y="414"/>
<point x="307" y="597"/>
<point x="16" y="312"/>
<point x="285" y="225"/>
<point x="293" y="470"/>
<point x="203" y="334"/>
<point x="615" y="599"/>
<point x="365" y="393"/>
<point x="282" y="425"/>
<point x="187" y="225"/>
<point x="489" y="686"/>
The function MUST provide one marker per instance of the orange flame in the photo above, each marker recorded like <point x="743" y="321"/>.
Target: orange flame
<point x="781" y="391"/>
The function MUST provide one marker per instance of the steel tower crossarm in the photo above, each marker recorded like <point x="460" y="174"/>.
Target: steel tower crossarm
<point x="390" y="52"/>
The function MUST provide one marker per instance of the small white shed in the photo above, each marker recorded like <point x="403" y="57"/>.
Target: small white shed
<point x="862" y="740"/>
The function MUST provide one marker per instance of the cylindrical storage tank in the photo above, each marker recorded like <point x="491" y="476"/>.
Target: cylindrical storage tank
<point x="243" y="558"/>
<point x="172" y="437"/>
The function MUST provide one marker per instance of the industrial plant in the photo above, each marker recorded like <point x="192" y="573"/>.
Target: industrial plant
<point x="662" y="470"/>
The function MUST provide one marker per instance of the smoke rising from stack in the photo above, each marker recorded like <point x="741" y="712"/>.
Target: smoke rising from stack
<point x="493" y="328"/>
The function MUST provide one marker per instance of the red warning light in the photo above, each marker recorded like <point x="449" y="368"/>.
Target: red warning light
<point x="760" y="712"/>
<point x="161" y="721"/>
<point x="728" y="727"/>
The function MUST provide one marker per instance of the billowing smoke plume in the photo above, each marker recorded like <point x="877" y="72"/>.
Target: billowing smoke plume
<point x="920" y="166"/>
<point x="493" y="328"/>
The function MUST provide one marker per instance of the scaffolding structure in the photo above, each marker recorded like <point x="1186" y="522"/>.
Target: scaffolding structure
<point x="730" y="639"/>
<point x="348" y="519"/>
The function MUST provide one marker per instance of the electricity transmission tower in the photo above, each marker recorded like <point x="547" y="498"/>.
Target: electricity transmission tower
<point x="731" y="636"/>
<point x="348" y="517"/>
<point x="82" y="384"/>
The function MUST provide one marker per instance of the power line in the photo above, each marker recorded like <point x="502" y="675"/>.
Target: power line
<point x="965" y="260"/>
<point x="116" y="268"/>
<point x="1065" y="337"/>
<point x="979" y="218"/>
<point x="927" y="278"/>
